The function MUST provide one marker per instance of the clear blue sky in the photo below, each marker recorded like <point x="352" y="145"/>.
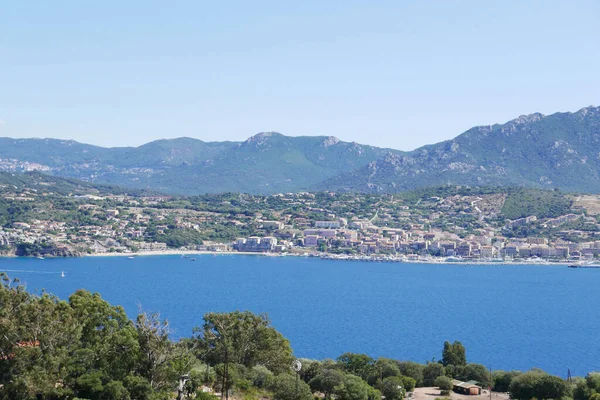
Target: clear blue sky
<point x="396" y="74"/>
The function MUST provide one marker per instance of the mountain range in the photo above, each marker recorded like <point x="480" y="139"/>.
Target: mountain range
<point x="561" y="150"/>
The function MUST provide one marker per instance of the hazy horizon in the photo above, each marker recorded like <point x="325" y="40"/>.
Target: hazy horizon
<point x="391" y="74"/>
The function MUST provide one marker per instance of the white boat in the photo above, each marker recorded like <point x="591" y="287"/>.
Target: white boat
<point x="62" y="274"/>
<point x="131" y="257"/>
<point x="40" y="257"/>
<point x="587" y="264"/>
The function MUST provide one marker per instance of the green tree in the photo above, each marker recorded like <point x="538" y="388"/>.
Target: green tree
<point x="454" y="354"/>
<point x="408" y="383"/>
<point x="595" y="396"/>
<point x="289" y="387"/>
<point x="156" y="353"/>
<point x="352" y="388"/>
<point x="585" y="388"/>
<point x="523" y="387"/>
<point x="476" y="372"/>
<point x="310" y="369"/>
<point x="108" y="333"/>
<point x="383" y="368"/>
<point x="326" y="381"/>
<point x="444" y="384"/>
<point x="36" y="337"/>
<point x="244" y="338"/>
<point x="537" y="384"/>
<point x="551" y="387"/>
<point x="503" y="379"/>
<point x="392" y="388"/>
<point x="360" y="365"/>
<point x="413" y="370"/>
<point x="431" y="371"/>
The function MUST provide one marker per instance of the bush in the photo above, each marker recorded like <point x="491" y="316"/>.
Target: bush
<point x="200" y="395"/>
<point x="431" y="371"/>
<point x="288" y="387"/>
<point x="353" y="388"/>
<point x="502" y="380"/>
<point x="260" y="376"/>
<point x="538" y="384"/>
<point x="392" y="388"/>
<point x="444" y="384"/>
<point x="408" y="383"/>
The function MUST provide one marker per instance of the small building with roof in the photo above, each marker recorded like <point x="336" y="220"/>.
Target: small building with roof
<point x="468" y="388"/>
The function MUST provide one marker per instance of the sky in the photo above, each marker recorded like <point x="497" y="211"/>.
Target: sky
<point x="397" y="74"/>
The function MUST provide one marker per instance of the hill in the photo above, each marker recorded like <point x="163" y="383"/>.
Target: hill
<point x="23" y="183"/>
<point x="545" y="152"/>
<point x="268" y="162"/>
<point x="557" y="151"/>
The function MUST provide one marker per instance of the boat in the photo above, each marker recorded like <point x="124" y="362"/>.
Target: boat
<point x="588" y="264"/>
<point x="62" y="274"/>
<point x="40" y="257"/>
<point x="131" y="257"/>
<point x="192" y="259"/>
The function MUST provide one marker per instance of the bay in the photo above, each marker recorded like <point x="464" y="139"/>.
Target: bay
<point x="507" y="316"/>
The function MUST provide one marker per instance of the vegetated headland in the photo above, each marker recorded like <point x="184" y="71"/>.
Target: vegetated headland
<point x="44" y="216"/>
<point x="87" y="348"/>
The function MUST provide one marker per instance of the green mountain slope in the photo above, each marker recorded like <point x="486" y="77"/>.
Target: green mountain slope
<point x="557" y="151"/>
<point x="270" y="162"/>
<point x="17" y="183"/>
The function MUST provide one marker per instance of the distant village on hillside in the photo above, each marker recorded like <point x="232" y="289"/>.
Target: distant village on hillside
<point x="40" y="222"/>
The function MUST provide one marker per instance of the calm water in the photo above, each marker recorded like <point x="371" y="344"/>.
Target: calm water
<point x="508" y="317"/>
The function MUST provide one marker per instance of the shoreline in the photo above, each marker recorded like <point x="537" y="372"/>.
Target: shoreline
<point x="325" y="256"/>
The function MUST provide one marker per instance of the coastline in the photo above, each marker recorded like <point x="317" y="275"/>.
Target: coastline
<point x="326" y="256"/>
<point x="171" y="253"/>
<point x="321" y="256"/>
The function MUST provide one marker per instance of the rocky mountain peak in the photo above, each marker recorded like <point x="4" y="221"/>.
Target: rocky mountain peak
<point x="330" y="141"/>
<point x="590" y="110"/>
<point x="261" y="138"/>
<point x="527" y="119"/>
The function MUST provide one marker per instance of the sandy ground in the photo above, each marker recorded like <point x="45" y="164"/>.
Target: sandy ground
<point x="431" y="393"/>
<point x="590" y="202"/>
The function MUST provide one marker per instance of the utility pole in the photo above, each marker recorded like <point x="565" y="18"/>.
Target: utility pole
<point x="491" y="383"/>
<point x="381" y="379"/>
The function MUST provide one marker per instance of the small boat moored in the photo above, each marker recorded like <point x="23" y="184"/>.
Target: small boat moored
<point x="584" y="265"/>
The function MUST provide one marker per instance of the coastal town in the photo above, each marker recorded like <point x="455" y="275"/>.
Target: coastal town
<point x="453" y="226"/>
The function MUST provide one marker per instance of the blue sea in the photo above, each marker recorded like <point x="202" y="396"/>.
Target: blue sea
<point x="507" y="316"/>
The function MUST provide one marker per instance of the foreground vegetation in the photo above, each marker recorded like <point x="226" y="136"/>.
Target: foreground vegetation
<point x="85" y="348"/>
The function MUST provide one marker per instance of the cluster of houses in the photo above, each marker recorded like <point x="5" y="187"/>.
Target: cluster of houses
<point x="308" y="222"/>
<point x="361" y="236"/>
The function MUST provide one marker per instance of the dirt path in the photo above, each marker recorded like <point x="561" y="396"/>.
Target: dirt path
<point x="431" y="393"/>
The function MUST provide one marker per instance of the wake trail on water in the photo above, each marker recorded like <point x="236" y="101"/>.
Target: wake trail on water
<point x="30" y="272"/>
